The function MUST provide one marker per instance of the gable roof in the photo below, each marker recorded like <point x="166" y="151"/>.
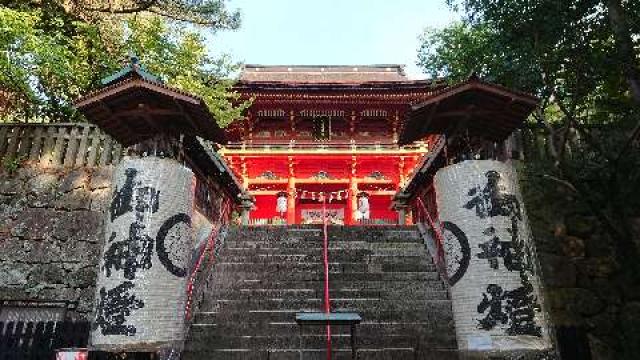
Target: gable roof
<point x="481" y="108"/>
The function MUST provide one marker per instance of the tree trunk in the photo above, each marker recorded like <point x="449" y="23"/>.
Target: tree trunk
<point x="624" y="46"/>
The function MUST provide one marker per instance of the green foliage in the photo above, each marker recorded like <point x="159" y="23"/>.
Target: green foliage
<point x="179" y="56"/>
<point x="579" y="149"/>
<point x="211" y="14"/>
<point x="565" y="53"/>
<point x="53" y="53"/>
<point x="579" y="145"/>
<point x="12" y="164"/>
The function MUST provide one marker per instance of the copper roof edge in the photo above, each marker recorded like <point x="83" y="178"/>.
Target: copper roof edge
<point x="298" y="66"/>
<point x="476" y="81"/>
<point x="345" y="84"/>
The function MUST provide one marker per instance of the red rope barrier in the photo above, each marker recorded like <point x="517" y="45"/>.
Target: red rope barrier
<point x="211" y="244"/>
<point x="327" y="299"/>
<point x="436" y="229"/>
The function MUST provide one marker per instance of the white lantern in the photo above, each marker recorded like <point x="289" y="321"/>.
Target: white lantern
<point x="141" y="286"/>
<point x="495" y="288"/>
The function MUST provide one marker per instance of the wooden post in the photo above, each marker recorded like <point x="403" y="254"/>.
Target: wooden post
<point x="291" y="189"/>
<point x="243" y="171"/>
<point x="292" y="121"/>
<point x="401" y="173"/>
<point x="352" y="202"/>
<point x="352" y="125"/>
<point x="250" y="127"/>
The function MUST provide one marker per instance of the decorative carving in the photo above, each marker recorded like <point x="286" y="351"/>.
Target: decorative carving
<point x="322" y="175"/>
<point x="270" y="175"/>
<point x="376" y="175"/>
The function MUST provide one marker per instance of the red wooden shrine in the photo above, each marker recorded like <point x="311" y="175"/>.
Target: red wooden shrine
<point x="327" y="131"/>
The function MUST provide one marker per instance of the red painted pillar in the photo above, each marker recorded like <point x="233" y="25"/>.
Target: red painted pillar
<point x="291" y="206"/>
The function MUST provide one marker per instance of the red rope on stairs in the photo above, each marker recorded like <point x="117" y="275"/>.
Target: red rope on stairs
<point x="437" y="230"/>
<point x="327" y="299"/>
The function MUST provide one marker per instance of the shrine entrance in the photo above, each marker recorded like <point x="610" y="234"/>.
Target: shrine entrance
<point x="302" y="175"/>
<point x="309" y="203"/>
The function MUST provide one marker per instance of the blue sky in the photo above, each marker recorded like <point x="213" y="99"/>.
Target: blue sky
<point x="332" y="32"/>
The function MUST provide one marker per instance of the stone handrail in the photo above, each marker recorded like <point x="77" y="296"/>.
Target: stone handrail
<point x="58" y="145"/>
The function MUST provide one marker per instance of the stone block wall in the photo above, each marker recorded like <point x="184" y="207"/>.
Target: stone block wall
<point x="586" y="288"/>
<point x="51" y="230"/>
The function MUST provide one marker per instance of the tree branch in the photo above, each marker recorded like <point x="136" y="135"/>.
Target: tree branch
<point x="143" y="5"/>
<point x="624" y="46"/>
<point x="565" y="183"/>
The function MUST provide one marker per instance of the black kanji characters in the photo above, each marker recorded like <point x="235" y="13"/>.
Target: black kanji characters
<point x="494" y="304"/>
<point x="494" y="248"/>
<point x="113" y="308"/>
<point x="135" y="251"/>
<point x="515" y="308"/>
<point x="491" y="201"/>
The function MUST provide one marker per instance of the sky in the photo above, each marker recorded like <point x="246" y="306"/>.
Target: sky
<point x="330" y="32"/>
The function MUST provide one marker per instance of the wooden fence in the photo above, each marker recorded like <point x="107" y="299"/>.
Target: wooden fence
<point x="58" y="145"/>
<point x="26" y="341"/>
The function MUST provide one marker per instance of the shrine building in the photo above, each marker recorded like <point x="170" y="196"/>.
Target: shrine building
<point x="331" y="132"/>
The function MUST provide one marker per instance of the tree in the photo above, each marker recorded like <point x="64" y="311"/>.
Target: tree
<point x="54" y="51"/>
<point x="209" y="13"/>
<point x="581" y="59"/>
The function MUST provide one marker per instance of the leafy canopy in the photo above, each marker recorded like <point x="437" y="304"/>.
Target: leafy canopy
<point x="575" y="57"/>
<point x="55" y="51"/>
<point x="582" y="146"/>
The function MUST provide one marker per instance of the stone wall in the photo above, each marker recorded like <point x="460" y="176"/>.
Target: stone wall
<point x="586" y="288"/>
<point x="51" y="229"/>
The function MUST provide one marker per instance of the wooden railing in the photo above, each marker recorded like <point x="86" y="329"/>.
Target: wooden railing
<point x="58" y="145"/>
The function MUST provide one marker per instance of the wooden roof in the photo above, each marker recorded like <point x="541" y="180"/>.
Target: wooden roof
<point x="483" y="109"/>
<point x="323" y="73"/>
<point x="136" y="105"/>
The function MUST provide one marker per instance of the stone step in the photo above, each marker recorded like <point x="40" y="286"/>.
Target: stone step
<point x="395" y="353"/>
<point x="313" y="229"/>
<point x="342" y="257"/>
<point x="264" y="342"/>
<point x="265" y="275"/>
<point x="396" y="236"/>
<point x="291" y="328"/>
<point x="434" y="283"/>
<point x="334" y="267"/>
<point x="408" y="250"/>
<point x="437" y="312"/>
<point x="317" y="244"/>
<point x="362" y="304"/>
<point x="384" y="294"/>
<point x="235" y="276"/>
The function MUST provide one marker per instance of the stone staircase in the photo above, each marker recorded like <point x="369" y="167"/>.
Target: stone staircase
<point x="265" y="275"/>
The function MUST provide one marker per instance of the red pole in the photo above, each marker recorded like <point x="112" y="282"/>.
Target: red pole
<point x="327" y="300"/>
